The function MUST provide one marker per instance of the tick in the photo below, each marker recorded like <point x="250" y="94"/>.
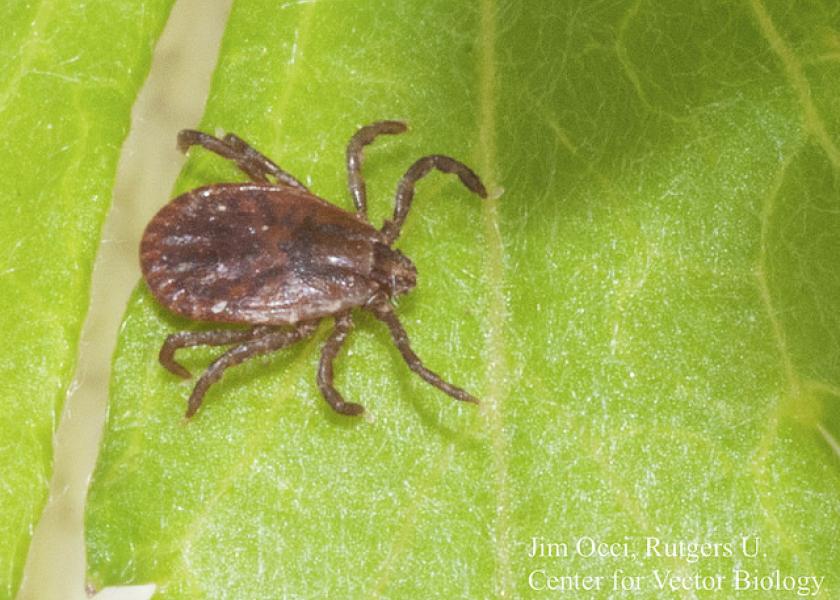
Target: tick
<point x="273" y="257"/>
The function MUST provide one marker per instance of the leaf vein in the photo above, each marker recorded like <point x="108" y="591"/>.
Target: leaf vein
<point x="497" y="367"/>
<point x="814" y="123"/>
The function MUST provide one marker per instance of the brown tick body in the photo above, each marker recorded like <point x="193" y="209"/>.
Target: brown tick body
<point x="273" y="256"/>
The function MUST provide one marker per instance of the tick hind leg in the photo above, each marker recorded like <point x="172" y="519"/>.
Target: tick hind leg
<point x="343" y="326"/>
<point x="421" y="167"/>
<point x="254" y="164"/>
<point x="386" y="314"/>
<point x="270" y="341"/>
<point x="355" y="158"/>
<point x="214" y="337"/>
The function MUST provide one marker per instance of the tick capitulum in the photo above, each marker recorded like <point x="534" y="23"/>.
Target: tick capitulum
<point x="274" y="257"/>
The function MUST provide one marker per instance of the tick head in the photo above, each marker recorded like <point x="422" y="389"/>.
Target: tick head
<point x="403" y="278"/>
<point x="393" y="270"/>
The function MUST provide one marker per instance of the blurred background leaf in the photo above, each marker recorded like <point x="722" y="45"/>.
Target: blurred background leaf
<point x="648" y="308"/>
<point x="69" y="73"/>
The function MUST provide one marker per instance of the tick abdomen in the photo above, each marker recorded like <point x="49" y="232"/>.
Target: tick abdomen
<point x="272" y="255"/>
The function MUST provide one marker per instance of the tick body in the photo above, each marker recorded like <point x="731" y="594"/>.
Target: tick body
<point x="277" y="259"/>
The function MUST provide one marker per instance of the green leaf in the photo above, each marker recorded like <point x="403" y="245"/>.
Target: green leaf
<point x="647" y="307"/>
<point x="69" y="76"/>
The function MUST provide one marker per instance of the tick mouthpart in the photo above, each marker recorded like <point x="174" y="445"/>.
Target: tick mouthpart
<point x="393" y="270"/>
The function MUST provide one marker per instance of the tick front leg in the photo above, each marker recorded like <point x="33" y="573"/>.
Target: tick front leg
<point x="343" y="326"/>
<point x="214" y="337"/>
<point x="405" y="189"/>
<point x="385" y="313"/>
<point x="355" y="158"/>
<point x="254" y="164"/>
<point x="269" y="342"/>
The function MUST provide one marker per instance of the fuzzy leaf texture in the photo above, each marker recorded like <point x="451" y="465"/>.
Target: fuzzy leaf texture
<point x="648" y="308"/>
<point x="69" y="74"/>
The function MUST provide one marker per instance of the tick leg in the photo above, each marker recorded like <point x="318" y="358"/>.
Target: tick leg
<point x="343" y="326"/>
<point x="263" y="162"/>
<point x="360" y="139"/>
<point x="269" y="342"/>
<point x="215" y="337"/>
<point x="257" y="166"/>
<point x="405" y="189"/>
<point x="385" y="313"/>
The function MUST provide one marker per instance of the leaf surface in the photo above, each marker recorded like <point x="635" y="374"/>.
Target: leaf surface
<point x="69" y="75"/>
<point x="647" y="307"/>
